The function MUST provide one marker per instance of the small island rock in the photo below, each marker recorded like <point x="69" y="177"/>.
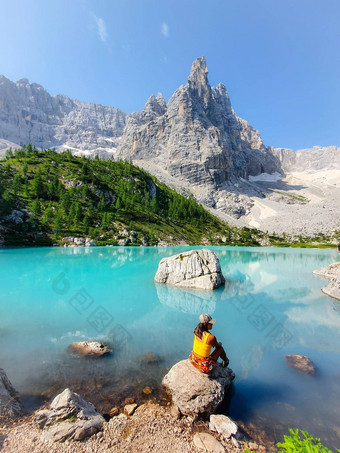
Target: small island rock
<point x="69" y="417"/>
<point x="10" y="404"/>
<point x="331" y="272"/>
<point x="196" y="393"/>
<point x="300" y="363"/>
<point x="89" y="348"/>
<point x="193" y="269"/>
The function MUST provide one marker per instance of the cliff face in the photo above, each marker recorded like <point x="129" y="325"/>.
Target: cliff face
<point x="28" y="114"/>
<point x="197" y="136"/>
<point x="316" y="158"/>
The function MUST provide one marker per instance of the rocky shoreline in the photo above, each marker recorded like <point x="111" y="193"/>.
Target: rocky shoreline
<point x="332" y="272"/>
<point x="71" y="424"/>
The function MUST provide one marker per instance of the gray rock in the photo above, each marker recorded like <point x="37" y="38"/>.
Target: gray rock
<point x="10" y="404"/>
<point x="223" y="425"/>
<point x="193" y="269"/>
<point x="123" y="242"/>
<point x="89" y="348"/>
<point x="331" y="272"/>
<point x="196" y="393"/>
<point x="69" y="417"/>
<point x="90" y="242"/>
<point x="15" y="217"/>
<point x="207" y="443"/>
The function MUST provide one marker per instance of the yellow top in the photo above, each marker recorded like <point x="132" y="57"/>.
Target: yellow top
<point x="201" y="347"/>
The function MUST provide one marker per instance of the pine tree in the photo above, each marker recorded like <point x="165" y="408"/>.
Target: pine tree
<point x="36" y="208"/>
<point x="47" y="215"/>
<point x="101" y="204"/>
<point x="86" y="224"/>
<point x="66" y="202"/>
<point x="78" y="214"/>
<point x="17" y="184"/>
<point x="38" y="185"/>
<point x="58" y="224"/>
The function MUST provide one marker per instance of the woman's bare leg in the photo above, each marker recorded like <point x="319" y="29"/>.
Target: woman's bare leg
<point x="219" y="352"/>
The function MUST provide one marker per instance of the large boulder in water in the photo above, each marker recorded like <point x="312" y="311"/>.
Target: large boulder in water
<point x="10" y="404"/>
<point x="69" y="417"/>
<point x="331" y="272"/>
<point x="196" y="393"/>
<point x="192" y="269"/>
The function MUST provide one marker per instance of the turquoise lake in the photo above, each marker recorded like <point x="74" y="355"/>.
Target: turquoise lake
<point x="272" y="305"/>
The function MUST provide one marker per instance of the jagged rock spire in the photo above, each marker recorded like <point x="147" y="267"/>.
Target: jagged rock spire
<point x="199" y="72"/>
<point x="198" y="81"/>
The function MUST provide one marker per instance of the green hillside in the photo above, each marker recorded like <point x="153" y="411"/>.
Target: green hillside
<point x="48" y="196"/>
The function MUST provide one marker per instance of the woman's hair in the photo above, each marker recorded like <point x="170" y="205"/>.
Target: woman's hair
<point x="200" y="328"/>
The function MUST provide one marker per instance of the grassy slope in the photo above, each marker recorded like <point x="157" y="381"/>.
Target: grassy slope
<point x="60" y="195"/>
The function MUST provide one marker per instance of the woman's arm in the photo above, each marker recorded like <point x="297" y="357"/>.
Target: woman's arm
<point x="213" y="342"/>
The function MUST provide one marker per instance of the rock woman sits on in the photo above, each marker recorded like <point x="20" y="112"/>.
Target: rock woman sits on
<point x="200" y="356"/>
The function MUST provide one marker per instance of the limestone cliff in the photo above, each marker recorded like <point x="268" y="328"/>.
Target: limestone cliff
<point x="29" y="114"/>
<point x="196" y="137"/>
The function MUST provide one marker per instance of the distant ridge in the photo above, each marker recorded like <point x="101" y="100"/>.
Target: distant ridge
<point x="195" y="142"/>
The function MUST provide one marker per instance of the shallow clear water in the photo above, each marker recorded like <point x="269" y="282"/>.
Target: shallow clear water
<point x="271" y="306"/>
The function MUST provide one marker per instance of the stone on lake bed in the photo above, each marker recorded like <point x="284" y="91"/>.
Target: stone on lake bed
<point x="89" y="348"/>
<point x="301" y="363"/>
<point x="150" y="357"/>
<point x="114" y="412"/>
<point x="147" y="390"/>
<point x="192" y="269"/>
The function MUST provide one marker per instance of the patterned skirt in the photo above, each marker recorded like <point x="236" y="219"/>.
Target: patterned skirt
<point x="204" y="365"/>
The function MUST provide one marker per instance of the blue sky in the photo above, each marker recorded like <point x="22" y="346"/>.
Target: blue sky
<point x="279" y="59"/>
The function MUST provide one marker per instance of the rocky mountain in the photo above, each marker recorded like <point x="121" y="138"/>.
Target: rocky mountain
<point x="29" y="114"/>
<point x="196" y="143"/>
<point x="197" y="136"/>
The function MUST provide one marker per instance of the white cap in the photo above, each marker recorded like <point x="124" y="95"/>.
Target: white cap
<point x="204" y="318"/>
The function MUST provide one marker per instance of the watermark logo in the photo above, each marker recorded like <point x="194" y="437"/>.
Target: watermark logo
<point x="100" y="319"/>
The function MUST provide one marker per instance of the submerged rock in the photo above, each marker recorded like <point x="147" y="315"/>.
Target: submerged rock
<point x="89" y="348"/>
<point x="150" y="357"/>
<point x="196" y="393"/>
<point x="331" y="272"/>
<point x="300" y="363"/>
<point x="193" y="269"/>
<point x="69" y="417"/>
<point x="10" y="404"/>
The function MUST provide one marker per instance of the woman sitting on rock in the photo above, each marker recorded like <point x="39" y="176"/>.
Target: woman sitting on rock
<point x="200" y="356"/>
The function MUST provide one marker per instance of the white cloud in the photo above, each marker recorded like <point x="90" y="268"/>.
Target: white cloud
<point x="101" y="28"/>
<point x="165" y="29"/>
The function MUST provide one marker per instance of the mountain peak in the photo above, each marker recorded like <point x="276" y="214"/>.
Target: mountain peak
<point x="199" y="72"/>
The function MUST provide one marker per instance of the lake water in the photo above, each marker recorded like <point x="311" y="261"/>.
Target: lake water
<point x="271" y="306"/>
